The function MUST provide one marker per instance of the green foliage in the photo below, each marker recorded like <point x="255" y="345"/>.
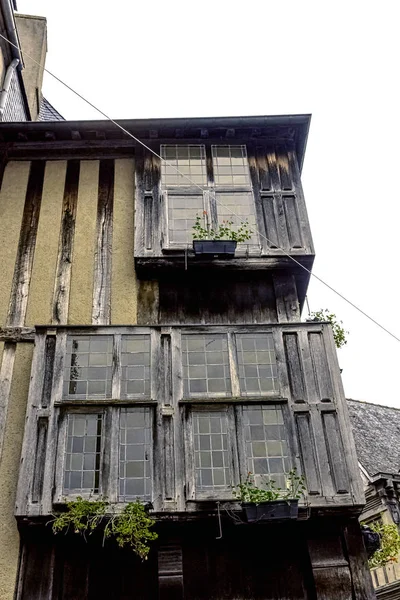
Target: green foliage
<point x="131" y="527"/>
<point x="339" y="333"/>
<point x="390" y="545"/>
<point x="83" y="516"/>
<point x="249" y="492"/>
<point x="224" y="231"/>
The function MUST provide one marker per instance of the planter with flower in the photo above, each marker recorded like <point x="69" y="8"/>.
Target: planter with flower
<point x="221" y="241"/>
<point x="270" y="503"/>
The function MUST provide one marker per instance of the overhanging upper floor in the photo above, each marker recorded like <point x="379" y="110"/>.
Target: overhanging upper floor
<point x="177" y="415"/>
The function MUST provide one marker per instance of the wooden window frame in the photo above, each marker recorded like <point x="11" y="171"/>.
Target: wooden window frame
<point x="209" y="192"/>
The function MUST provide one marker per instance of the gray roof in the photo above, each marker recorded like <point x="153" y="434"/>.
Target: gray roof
<point x="376" y="432"/>
<point x="48" y="112"/>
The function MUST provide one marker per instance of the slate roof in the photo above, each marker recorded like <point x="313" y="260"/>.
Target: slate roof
<point x="48" y="112"/>
<point x="376" y="432"/>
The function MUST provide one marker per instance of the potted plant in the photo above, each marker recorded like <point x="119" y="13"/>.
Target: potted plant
<point x="221" y="241"/>
<point x="270" y="503"/>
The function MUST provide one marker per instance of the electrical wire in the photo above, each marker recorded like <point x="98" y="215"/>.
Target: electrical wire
<point x="199" y="187"/>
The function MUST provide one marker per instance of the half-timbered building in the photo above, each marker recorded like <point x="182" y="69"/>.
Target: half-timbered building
<point x="133" y="368"/>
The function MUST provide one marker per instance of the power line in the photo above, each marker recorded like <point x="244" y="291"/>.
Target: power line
<point x="199" y="187"/>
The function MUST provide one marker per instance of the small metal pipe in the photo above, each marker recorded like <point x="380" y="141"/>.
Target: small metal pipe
<point x="6" y="85"/>
<point x="11" y="29"/>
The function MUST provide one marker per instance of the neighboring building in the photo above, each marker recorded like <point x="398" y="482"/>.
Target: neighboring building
<point x="21" y="80"/>
<point x="377" y="433"/>
<point x="132" y="368"/>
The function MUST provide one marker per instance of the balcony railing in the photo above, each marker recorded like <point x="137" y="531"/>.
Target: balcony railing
<point x="178" y="415"/>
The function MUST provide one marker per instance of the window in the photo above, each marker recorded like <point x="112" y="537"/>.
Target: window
<point x="257" y="363"/>
<point x="96" y="365"/>
<point x="213" y="195"/>
<point x="262" y="447"/>
<point x="135" y="473"/>
<point x="205" y="365"/>
<point x="82" y="456"/>
<point x="266" y="444"/>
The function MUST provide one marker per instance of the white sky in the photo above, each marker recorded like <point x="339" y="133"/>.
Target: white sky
<point x="338" y="61"/>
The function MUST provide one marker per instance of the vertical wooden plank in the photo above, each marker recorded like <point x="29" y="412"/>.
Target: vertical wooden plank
<point x="27" y="459"/>
<point x="300" y="203"/>
<point x="170" y="571"/>
<point x="292" y="221"/>
<point x="116" y="367"/>
<point x="330" y="569"/>
<point x="39" y="310"/>
<point x="284" y="169"/>
<point x="308" y="453"/>
<point x="233" y="365"/>
<point x="101" y="311"/>
<point x="287" y="303"/>
<point x="52" y="435"/>
<point x="66" y="244"/>
<point x="80" y="300"/>
<point x="48" y="369"/>
<point x="336" y="455"/>
<point x="123" y="278"/>
<point x="268" y="204"/>
<point x="40" y="455"/>
<point x="177" y="395"/>
<point x="12" y="200"/>
<point x="26" y="246"/>
<point x="320" y="365"/>
<point x="6" y="371"/>
<point x="295" y="369"/>
<point x="360" y="574"/>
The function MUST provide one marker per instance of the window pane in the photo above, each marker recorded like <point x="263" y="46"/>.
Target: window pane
<point x="212" y="471"/>
<point x="257" y="363"/>
<point x="135" y="359"/>
<point x="231" y="168"/>
<point x="189" y="160"/>
<point x="135" y="454"/>
<point x="206" y="365"/>
<point x="82" y="456"/>
<point x="230" y="204"/>
<point x="88" y="369"/>
<point x="267" y="454"/>
<point x="182" y="213"/>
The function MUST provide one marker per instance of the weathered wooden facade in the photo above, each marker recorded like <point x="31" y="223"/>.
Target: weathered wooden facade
<point x="132" y="368"/>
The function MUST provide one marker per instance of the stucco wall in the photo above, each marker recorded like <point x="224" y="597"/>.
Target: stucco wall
<point x="9" y="464"/>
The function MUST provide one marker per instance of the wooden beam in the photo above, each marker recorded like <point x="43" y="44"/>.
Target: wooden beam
<point x="6" y="372"/>
<point x="17" y="334"/>
<point x="66" y="244"/>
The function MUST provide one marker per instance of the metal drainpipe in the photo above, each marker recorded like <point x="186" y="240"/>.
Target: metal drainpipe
<point x="12" y="33"/>
<point x="6" y="85"/>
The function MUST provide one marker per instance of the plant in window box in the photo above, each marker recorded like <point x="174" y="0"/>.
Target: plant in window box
<point x="221" y="241"/>
<point x="270" y="503"/>
<point x="130" y="527"/>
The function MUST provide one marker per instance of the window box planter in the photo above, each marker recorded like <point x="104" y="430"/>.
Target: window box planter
<point x="276" y="510"/>
<point x="214" y="248"/>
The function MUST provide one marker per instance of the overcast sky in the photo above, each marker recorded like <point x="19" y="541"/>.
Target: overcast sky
<point x="219" y="58"/>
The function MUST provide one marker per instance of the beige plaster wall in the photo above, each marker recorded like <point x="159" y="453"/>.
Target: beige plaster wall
<point x="81" y="294"/>
<point x="12" y="200"/>
<point x="9" y="464"/>
<point x="123" y="283"/>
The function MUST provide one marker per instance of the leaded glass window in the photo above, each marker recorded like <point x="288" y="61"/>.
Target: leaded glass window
<point x="182" y="213"/>
<point x="205" y="365"/>
<point x="256" y="363"/>
<point x="266" y="443"/>
<point x="189" y="160"/>
<point x="83" y="453"/>
<point x="135" y="473"/>
<point x="210" y="431"/>
<point x="231" y="168"/>
<point x="135" y="360"/>
<point x="88" y="368"/>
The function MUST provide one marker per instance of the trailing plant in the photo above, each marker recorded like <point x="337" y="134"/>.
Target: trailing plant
<point x="224" y="231"/>
<point x="250" y="492"/>
<point x="390" y="544"/>
<point x="339" y="333"/>
<point x="83" y="516"/>
<point x="131" y="527"/>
